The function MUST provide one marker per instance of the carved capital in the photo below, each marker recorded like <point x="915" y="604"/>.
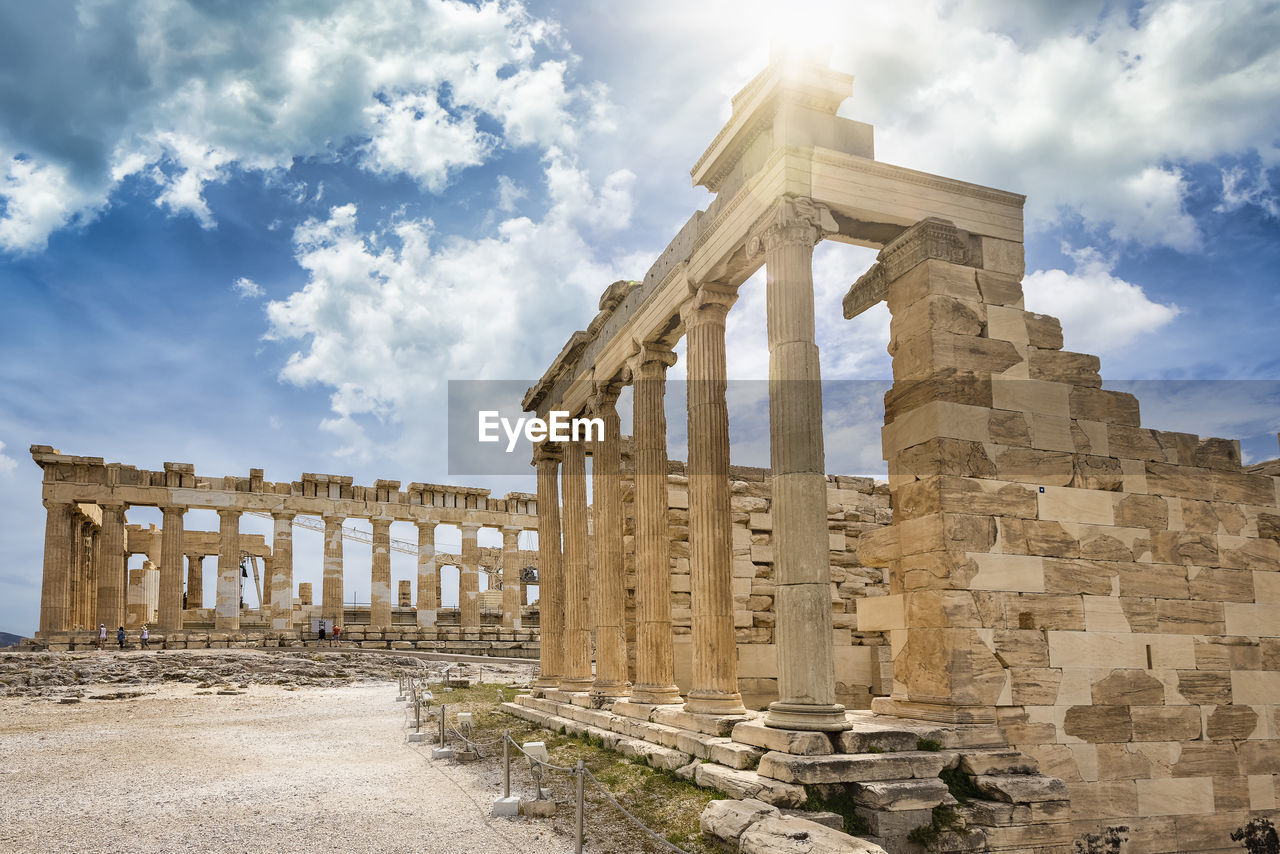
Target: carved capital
<point x="229" y="513"/>
<point x="707" y="302"/>
<point x="283" y="515"/>
<point x="650" y="361"/>
<point x="930" y="238"/>
<point x="547" y="452"/>
<point x="604" y="397"/>
<point x="793" y="220"/>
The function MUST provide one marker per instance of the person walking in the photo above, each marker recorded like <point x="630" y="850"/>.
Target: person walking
<point x="120" y="636"/>
<point x="336" y="630"/>
<point x="102" y="636"/>
<point x="321" y="641"/>
<point x="145" y="636"/>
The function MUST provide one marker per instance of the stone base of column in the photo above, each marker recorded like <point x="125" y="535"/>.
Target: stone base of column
<point x="583" y="685"/>
<point x="808" y="717"/>
<point x="610" y="689"/>
<point x="714" y="703"/>
<point x="934" y="712"/>
<point x="545" y="683"/>
<point x="656" y="695"/>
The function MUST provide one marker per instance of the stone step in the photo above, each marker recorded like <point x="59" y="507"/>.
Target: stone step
<point x="950" y="736"/>
<point x="897" y="795"/>
<point x="1021" y="788"/>
<point x="748" y="784"/>
<point x="982" y="762"/>
<point x="796" y="742"/>
<point x="855" y="768"/>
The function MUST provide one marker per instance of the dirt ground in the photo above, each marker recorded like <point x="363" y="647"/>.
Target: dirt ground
<point x="218" y="753"/>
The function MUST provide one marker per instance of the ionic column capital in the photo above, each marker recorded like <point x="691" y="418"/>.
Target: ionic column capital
<point x="604" y="399"/>
<point x="650" y="360"/>
<point x="547" y="452"/>
<point x="708" y="302"/>
<point x="283" y="515"/>
<point x="793" y="220"/>
<point x="229" y="513"/>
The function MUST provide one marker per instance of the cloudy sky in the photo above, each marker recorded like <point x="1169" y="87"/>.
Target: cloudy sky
<point x="267" y="235"/>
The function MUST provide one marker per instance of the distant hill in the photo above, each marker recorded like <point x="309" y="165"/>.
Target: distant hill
<point x="7" y="639"/>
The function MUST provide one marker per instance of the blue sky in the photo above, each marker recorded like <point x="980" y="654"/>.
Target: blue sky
<point x="266" y="235"/>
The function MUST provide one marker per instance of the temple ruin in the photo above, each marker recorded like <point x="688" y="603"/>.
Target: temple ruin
<point x="88" y="545"/>
<point x="1082" y="613"/>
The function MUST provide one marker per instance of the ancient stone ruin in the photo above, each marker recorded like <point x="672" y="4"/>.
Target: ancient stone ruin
<point x="88" y="546"/>
<point x="1082" y="613"/>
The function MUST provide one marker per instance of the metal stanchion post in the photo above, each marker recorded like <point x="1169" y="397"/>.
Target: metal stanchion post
<point x="443" y="709"/>
<point x="506" y="763"/>
<point x="582" y="796"/>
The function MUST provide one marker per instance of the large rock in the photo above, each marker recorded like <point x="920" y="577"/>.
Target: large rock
<point x="748" y="784"/>
<point x="727" y="820"/>
<point x="798" y="836"/>
<point x="903" y="794"/>
<point x="855" y="768"/>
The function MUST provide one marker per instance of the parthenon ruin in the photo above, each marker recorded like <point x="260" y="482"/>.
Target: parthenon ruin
<point x="1083" y="614"/>
<point x="87" y="547"/>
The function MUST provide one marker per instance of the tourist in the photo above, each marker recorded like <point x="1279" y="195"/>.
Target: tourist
<point x="336" y="629"/>
<point x="120" y="636"/>
<point x="102" y="635"/>
<point x="321" y="641"/>
<point x="145" y="636"/>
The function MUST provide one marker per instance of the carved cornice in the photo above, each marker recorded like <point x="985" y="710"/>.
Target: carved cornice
<point x="914" y="176"/>
<point x="793" y="220"/>
<point x="930" y="238"/>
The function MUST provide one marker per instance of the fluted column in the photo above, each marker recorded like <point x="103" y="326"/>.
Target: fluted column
<point x="546" y="458"/>
<point x="577" y="631"/>
<point x="195" y="580"/>
<point x="282" y="571"/>
<point x="75" y="584"/>
<point x="806" y="668"/>
<point x="331" y="588"/>
<point x="226" y="615"/>
<point x="469" y="579"/>
<point x="55" y="592"/>
<point x="608" y="584"/>
<point x="94" y="559"/>
<point x="112" y="578"/>
<point x="169" y="618"/>
<point x="428" y="575"/>
<point x="713" y="685"/>
<point x="380" y="581"/>
<point x="655" y="656"/>
<point x="511" y="577"/>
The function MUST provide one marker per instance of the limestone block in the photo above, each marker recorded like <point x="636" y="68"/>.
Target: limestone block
<point x="902" y="794"/>
<point x="1222" y="585"/>
<point x="1079" y="576"/>
<point x="727" y="819"/>
<point x="941" y="278"/>
<point x="1206" y="687"/>
<point x="1196" y="618"/>
<point x="1021" y="788"/>
<point x="1160" y="723"/>
<point x="1003" y="256"/>
<point x="997" y="762"/>
<point x="1127" y="688"/>
<point x="749" y="784"/>
<point x="1021" y="573"/>
<point x="1051" y="432"/>
<point x="887" y="825"/>
<point x="1090" y="437"/>
<point x="787" y="835"/>
<point x="1007" y="324"/>
<point x="1098" y="724"/>
<point x="1033" y="466"/>
<point x="1104" y="614"/>
<point x="1063" y="366"/>
<point x="1064" y="504"/>
<point x="1193" y="796"/>
<point x="849" y="768"/>
<point x="1254" y="620"/>
<point x="1262" y="795"/>
<point x="1255" y="687"/>
<point x="1096" y="649"/>
<point x="1031" y="395"/>
<point x="881" y="613"/>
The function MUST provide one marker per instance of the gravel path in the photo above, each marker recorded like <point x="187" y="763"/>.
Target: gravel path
<point x="312" y="769"/>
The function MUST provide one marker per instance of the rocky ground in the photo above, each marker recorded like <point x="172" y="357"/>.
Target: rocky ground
<point x="227" y="751"/>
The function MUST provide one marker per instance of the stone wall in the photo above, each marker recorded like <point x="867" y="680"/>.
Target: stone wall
<point x="855" y="505"/>
<point x="1107" y="593"/>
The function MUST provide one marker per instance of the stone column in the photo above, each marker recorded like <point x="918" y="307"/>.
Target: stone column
<point x="95" y="572"/>
<point x="380" y="581"/>
<point x="331" y="587"/>
<point x="428" y="575"/>
<point x="577" y="630"/>
<point x="655" y="657"/>
<point x="608" y="582"/>
<point x="195" y="580"/>
<point x="469" y="579"/>
<point x="169" y="618"/>
<point x="546" y="457"/>
<point x="112" y="577"/>
<point x="226" y="615"/>
<point x="55" y="591"/>
<point x="714" y="683"/>
<point x="511" y="577"/>
<point x="806" y="662"/>
<point x="405" y="594"/>
<point x="282" y="571"/>
<point x="75" y="584"/>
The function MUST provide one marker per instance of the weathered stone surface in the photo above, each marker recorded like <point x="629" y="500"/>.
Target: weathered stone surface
<point x="1128" y="688"/>
<point x="902" y="794"/>
<point x="997" y="762"/>
<point x="1099" y="723"/>
<point x="1021" y="788"/>
<point x="783" y="740"/>
<point x="798" y="836"/>
<point x="728" y="819"/>
<point x="867" y="767"/>
<point x="749" y="784"/>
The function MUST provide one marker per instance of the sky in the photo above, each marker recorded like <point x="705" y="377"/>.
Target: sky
<point x="267" y="235"/>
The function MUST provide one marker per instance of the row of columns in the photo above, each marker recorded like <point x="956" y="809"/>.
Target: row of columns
<point x="83" y="581"/>
<point x="802" y="571"/>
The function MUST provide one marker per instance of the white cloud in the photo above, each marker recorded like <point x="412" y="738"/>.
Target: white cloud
<point x="509" y="193"/>
<point x="1100" y="313"/>
<point x="247" y="288"/>
<point x="7" y="463"/>
<point x="1241" y="188"/>
<point x="388" y="315"/>
<point x="191" y="93"/>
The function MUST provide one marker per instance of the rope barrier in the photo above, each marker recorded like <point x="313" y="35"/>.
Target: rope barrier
<point x="637" y="822"/>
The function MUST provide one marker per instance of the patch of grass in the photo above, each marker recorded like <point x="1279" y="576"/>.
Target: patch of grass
<point x="960" y="785"/>
<point x="926" y="835"/>
<point x="930" y="744"/>
<point x="839" y="802"/>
